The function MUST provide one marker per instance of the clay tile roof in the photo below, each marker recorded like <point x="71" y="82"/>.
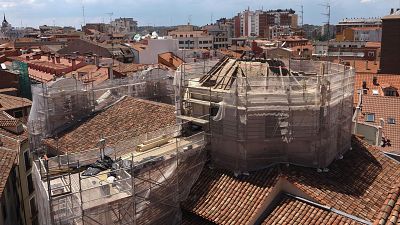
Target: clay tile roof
<point x="125" y="68"/>
<point x="382" y="81"/>
<point x="293" y="211"/>
<point x="170" y="59"/>
<point x="129" y="114"/>
<point x="9" y="102"/>
<point x="221" y="198"/>
<point x="384" y="107"/>
<point x="7" y="161"/>
<point x="6" y="120"/>
<point x="356" y="184"/>
<point x="390" y="211"/>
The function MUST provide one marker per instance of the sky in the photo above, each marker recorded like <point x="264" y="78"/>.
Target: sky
<point x="174" y="12"/>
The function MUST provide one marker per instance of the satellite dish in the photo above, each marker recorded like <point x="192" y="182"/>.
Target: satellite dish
<point x="154" y="35"/>
<point x="137" y="37"/>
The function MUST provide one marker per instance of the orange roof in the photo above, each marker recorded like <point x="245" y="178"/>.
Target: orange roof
<point x="129" y="114"/>
<point x="390" y="212"/>
<point x="371" y="44"/>
<point x="170" y="59"/>
<point x="361" y="65"/>
<point x="9" y="102"/>
<point x="365" y="28"/>
<point x="289" y="210"/>
<point x="383" y="80"/>
<point x="384" y="107"/>
<point x="356" y="185"/>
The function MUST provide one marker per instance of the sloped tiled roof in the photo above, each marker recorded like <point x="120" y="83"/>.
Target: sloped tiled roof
<point x="128" y="117"/>
<point x="222" y="198"/>
<point x="390" y="211"/>
<point x="384" y="108"/>
<point x="7" y="121"/>
<point x="382" y="79"/>
<point x="293" y="211"/>
<point x="8" y="102"/>
<point x="357" y="184"/>
<point x="170" y="59"/>
<point x="7" y="160"/>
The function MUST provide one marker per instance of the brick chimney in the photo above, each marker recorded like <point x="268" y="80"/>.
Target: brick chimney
<point x="53" y="59"/>
<point x="58" y="59"/>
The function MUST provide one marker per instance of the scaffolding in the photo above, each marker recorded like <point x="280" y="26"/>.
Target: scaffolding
<point x="140" y="188"/>
<point x="61" y="104"/>
<point x="150" y="174"/>
<point x="266" y="111"/>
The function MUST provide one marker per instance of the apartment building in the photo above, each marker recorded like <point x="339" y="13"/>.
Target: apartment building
<point x="259" y="23"/>
<point x="189" y="38"/>
<point x="124" y="26"/>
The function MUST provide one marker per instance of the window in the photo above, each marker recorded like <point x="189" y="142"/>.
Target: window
<point x="390" y="92"/>
<point x="371" y="54"/>
<point x="30" y="184"/>
<point x="181" y="42"/>
<point x="27" y="160"/>
<point x="18" y="114"/>
<point x="370" y="117"/>
<point x="391" y="121"/>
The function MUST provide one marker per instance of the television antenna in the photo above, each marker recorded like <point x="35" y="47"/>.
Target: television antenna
<point x="83" y="12"/>
<point x="110" y="14"/>
<point x="302" y="15"/>
<point x="328" y="16"/>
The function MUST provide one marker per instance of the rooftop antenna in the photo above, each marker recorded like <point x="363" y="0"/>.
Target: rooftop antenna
<point x="328" y="22"/>
<point x="212" y="18"/>
<point x="110" y="14"/>
<point x="302" y="15"/>
<point x="83" y="13"/>
<point x="328" y="15"/>
<point x="190" y="19"/>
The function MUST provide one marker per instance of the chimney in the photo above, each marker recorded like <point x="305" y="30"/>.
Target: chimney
<point x="391" y="11"/>
<point x="364" y="84"/>
<point x="110" y="72"/>
<point x="48" y="57"/>
<point x="58" y="59"/>
<point x="375" y="81"/>
<point x="53" y="59"/>
<point x="73" y="61"/>
<point x="96" y="60"/>
<point x="27" y="58"/>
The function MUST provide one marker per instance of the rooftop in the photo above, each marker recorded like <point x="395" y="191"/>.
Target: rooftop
<point x="9" y="102"/>
<point x="356" y="185"/>
<point x="290" y="210"/>
<point x="384" y="107"/>
<point x="127" y="117"/>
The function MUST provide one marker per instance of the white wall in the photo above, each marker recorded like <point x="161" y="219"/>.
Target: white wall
<point x="156" y="47"/>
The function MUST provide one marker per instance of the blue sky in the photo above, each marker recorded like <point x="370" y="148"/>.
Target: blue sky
<point x="172" y="12"/>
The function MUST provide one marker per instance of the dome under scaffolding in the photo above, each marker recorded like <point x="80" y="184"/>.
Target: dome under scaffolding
<point x="263" y="111"/>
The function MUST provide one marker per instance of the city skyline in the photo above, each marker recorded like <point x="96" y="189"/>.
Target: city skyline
<point x="160" y="13"/>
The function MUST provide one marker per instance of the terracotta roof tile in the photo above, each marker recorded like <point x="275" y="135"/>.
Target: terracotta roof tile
<point x="384" y="107"/>
<point x="390" y="211"/>
<point x="357" y="184"/>
<point x="128" y="118"/>
<point x="385" y="79"/>
<point x="9" y="102"/>
<point x="170" y="59"/>
<point x="221" y="198"/>
<point x="7" y="160"/>
<point x="293" y="211"/>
